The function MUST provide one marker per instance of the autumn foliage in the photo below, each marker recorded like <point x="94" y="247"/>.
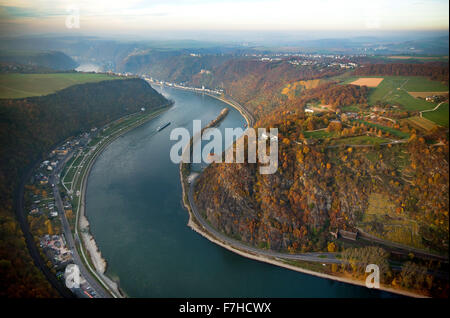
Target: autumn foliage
<point x="435" y="71"/>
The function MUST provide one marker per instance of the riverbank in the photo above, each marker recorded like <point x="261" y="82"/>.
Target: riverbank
<point x="194" y="226"/>
<point x="241" y="109"/>
<point x="197" y="227"/>
<point x="186" y="178"/>
<point x="185" y="167"/>
<point x="86" y="239"/>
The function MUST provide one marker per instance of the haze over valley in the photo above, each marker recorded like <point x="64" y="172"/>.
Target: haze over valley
<point x="94" y="94"/>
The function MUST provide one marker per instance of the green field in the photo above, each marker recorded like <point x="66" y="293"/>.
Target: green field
<point x="70" y="175"/>
<point x="26" y="85"/>
<point x="353" y="108"/>
<point x="390" y="130"/>
<point x="423" y="84"/>
<point x="439" y="116"/>
<point x="359" y="140"/>
<point x="421" y="123"/>
<point x="319" y="134"/>
<point x="394" y="89"/>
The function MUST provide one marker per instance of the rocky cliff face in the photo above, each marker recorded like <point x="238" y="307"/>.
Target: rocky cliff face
<point x="317" y="191"/>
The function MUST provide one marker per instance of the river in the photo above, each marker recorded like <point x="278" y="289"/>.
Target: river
<point x="133" y="202"/>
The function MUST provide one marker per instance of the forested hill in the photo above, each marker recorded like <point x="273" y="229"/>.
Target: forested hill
<point x="334" y="174"/>
<point x="30" y="127"/>
<point x="172" y="66"/>
<point x="53" y="59"/>
<point x="255" y="84"/>
<point x="436" y="70"/>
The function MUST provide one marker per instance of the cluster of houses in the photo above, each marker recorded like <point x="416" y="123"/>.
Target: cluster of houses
<point x="40" y="178"/>
<point x="326" y="60"/>
<point x="312" y="56"/>
<point x="436" y="98"/>
<point x="125" y="74"/>
<point x="302" y="63"/>
<point x="203" y="89"/>
<point x="40" y="206"/>
<point x="39" y="203"/>
<point x="55" y="247"/>
<point x="42" y="203"/>
<point x="344" y="116"/>
<point x="348" y="65"/>
<point x="45" y="205"/>
<point x="270" y="59"/>
<point x="49" y="165"/>
<point x="349" y="116"/>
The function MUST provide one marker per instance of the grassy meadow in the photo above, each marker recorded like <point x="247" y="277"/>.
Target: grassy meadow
<point x="439" y="116"/>
<point x="27" y="85"/>
<point x="394" y="89"/>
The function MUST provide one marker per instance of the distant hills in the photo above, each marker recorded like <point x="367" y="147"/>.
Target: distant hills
<point x="51" y="59"/>
<point x="29" y="128"/>
<point x="112" y="54"/>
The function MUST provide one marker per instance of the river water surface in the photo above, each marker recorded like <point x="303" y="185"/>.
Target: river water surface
<point x="133" y="203"/>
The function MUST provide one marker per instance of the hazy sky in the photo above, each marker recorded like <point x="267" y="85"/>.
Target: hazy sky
<point x="21" y="16"/>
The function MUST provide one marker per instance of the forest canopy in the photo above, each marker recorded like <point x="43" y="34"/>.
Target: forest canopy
<point x="29" y="128"/>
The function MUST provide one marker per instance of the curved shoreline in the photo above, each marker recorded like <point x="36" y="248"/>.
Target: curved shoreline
<point x="194" y="226"/>
<point x="94" y="254"/>
<point x="241" y="109"/>
<point x="200" y="230"/>
<point x="268" y="260"/>
<point x="192" y="223"/>
<point x="274" y="261"/>
<point x="110" y="285"/>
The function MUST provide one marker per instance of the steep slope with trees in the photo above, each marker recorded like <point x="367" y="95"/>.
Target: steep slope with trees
<point x="435" y="70"/>
<point x="320" y="189"/>
<point x="253" y="83"/>
<point x="29" y="128"/>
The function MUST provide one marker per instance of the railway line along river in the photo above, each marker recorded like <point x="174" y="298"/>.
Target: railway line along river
<point x="133" y="203"/>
